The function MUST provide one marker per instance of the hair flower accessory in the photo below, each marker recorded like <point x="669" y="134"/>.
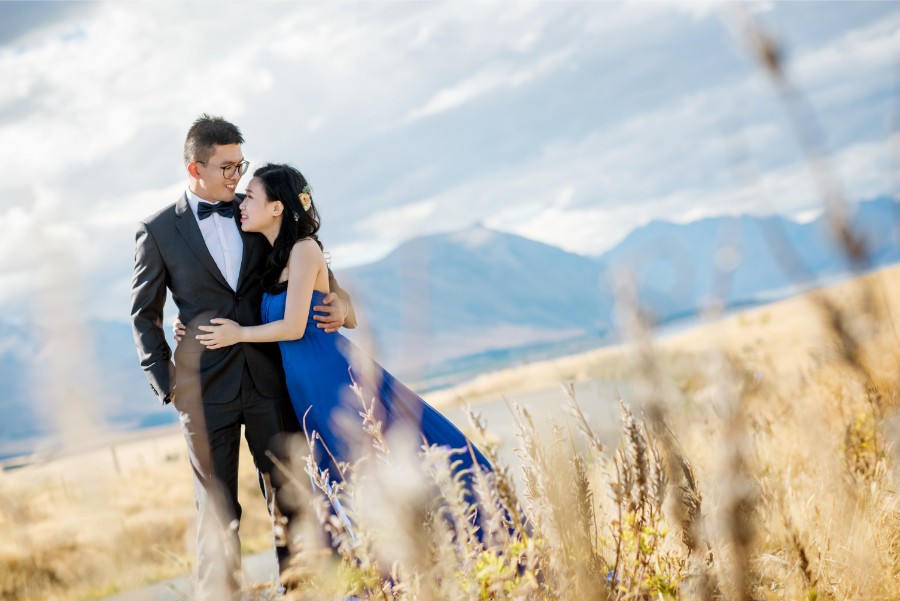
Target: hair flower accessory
<point x="305" y="197"/>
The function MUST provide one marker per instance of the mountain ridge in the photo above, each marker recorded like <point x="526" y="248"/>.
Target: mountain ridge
<point x="449" y="305"/>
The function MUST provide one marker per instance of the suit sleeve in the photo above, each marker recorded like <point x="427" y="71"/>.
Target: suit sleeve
<point x="148" y="297"/>
<point x="350" y="321"/>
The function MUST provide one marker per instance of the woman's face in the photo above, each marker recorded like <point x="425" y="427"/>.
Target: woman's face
<point x="258" y="213"/>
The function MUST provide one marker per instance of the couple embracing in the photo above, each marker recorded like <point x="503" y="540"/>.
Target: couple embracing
<point x="261" y="349"/>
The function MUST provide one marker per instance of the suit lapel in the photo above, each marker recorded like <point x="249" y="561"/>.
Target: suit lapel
<point x="187" y="225"/>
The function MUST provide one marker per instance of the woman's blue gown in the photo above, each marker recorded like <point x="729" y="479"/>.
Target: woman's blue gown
<point x="318" y="374"/>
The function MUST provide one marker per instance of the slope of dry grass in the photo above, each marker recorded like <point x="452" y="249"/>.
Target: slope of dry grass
<point x="758" y="460"/>
<point x="762" y="465"/>
<point x="90" y="525"/>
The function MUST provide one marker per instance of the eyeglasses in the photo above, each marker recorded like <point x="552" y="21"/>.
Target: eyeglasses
<point x="230" y="170"/>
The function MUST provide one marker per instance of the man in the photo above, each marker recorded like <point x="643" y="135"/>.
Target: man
<point x="196" y="249"/>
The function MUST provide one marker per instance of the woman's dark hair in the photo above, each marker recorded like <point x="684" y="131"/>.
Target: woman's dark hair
<point x="285" y="183"/>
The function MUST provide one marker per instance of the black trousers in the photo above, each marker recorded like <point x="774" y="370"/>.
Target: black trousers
<point x="212" y="433"/>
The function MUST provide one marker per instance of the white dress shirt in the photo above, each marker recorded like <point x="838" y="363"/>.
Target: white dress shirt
<point x="222" y="239"/>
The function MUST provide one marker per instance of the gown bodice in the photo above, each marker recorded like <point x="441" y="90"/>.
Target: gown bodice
<point x="325" y="388"/>
<point x="273" y="306"/>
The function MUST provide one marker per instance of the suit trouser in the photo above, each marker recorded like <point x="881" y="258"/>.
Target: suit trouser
<point x="213" y="435"/>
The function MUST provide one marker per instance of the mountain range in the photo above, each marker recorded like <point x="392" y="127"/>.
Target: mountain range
<point x="448" y="304"/>
<point x="439" y="298"/>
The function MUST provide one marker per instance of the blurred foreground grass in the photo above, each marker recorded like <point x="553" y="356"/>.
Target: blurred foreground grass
<point x="747" y="468"/>
<point x="764" y="466"/>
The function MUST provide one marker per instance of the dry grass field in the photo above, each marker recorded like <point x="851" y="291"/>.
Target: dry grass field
<point x="93" y="524"/>
<point x="758" y="460"/>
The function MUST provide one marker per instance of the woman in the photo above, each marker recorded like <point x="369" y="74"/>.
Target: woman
<point x="319" y="374"/>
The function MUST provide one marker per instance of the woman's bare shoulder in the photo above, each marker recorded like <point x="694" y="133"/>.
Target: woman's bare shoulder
<point x="307" y="248"/>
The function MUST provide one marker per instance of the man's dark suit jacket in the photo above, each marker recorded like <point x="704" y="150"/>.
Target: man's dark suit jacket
<point x="171" y="253"/>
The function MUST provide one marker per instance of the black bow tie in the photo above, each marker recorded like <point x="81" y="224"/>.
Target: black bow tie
<point x="205" y="209"/>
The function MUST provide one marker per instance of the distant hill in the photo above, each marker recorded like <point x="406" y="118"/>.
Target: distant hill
<point x="679" y="266"/>
<point x="446" y="304"/>
<point x="445" y="296"/>
<point x="124" y="400"/>
<point x="439" y="298"/>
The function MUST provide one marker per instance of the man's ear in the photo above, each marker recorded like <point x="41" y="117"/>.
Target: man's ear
<point x="193" y="171"/>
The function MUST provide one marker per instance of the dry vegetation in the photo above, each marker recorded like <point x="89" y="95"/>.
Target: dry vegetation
<point x="747" y="469"/>
<point x="737" y="481"/>
<point x="91" y="525"/>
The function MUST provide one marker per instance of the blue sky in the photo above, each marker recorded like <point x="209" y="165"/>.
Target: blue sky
<point x="569" y="123"/>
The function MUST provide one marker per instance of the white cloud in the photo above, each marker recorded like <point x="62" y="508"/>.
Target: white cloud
<point x="402" y="222"/>
<point x="477" y="85"/>
<point x="93" y="113"/>
<point x="488" y="80"/>
<point x="807" y="216"/>
<point x="790" y="191"/>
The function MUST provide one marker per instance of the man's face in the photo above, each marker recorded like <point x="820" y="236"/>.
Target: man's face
<point x="214" y="183"/>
